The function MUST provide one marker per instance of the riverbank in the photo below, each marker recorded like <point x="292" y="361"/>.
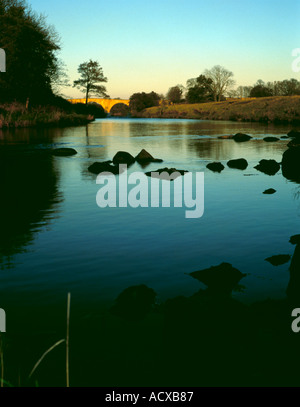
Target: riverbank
<point x="278" y="109"/>
<point x="15" y="115"/>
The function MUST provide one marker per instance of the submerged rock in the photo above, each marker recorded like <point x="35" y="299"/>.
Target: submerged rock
<point x="291" y="164"/>
<point x="222" y="278"/>
<point x="269" y="191"/>
<point x="64" y="152"/>
<point x="270" y="139"/>
<point x="269" y="167"/>
<point x="215" y="167"/>
<point x="134" y="302"/>
<point x="294" y="133"/>
<point x="122" y="157"/>
<point x="145" y="157"/>
<point x="239" y="163"/>
<point x="279" y="259"/>
<point x="294" y="143"/>
<point x="168" y="174"/>
<point x="104" y="166"/>
<point x="240" y="137"/>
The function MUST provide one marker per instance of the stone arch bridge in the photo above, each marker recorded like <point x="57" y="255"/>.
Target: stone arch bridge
<point x="107" y="104"/>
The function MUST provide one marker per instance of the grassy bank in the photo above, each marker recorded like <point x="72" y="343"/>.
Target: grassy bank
<point x="16" y="115"/>
<point x="278" y="109"/>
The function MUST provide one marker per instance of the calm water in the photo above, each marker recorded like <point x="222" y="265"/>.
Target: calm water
<point x="55" y="239"/>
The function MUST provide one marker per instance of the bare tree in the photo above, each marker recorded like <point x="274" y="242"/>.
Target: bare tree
<point x="221" y="80"/>
<point x="91" y="75"/>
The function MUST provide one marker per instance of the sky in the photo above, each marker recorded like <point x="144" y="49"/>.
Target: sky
<point x="153" y="45"/>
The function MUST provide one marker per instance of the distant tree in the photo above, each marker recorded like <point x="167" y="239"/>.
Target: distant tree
<point x="259" y="91"/>
<point x="91" y="75"/>
<point x="199" y="89"/>
<point x="260" y="82"/>
<point x="289" y="87"/>
<point x="140" y="101"/>
<point x="243" y="91"/>
<point x="175" y="94"/>
<point x="31" y="47"/>
<point x="221" y="81"/>
<point x="233" y="93"/>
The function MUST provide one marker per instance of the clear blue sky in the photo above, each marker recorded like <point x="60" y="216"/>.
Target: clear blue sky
<point x="153" y="45"/>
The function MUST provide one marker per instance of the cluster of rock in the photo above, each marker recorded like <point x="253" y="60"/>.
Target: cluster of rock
<point x="290" y="159"/>
<point x="122" y="157"/>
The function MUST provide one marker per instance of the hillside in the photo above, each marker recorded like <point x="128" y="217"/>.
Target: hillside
<point x="277" y="109"/>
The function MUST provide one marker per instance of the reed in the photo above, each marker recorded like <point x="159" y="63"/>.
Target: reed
<point x="15" y="115"/>
<point x="67" y="341"/>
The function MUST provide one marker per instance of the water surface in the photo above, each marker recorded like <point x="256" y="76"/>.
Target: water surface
<point x="55" y="239"/>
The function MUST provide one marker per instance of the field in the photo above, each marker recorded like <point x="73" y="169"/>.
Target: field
<point x="277" y="109"/>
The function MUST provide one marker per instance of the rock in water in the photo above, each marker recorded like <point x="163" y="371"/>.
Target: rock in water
<point x="270" y="139"/>
<point x="269" y="167"/>
<point x="294" y="134"/>
<point x="279" y="259"/>
<point x="215" y="167"/>
<point x="294" y="143"/>
<point x="222" y="279"/>
<point x="240" y="137"/>
<point x="145" y="157"/>
<point x="239" y="163"/>
<point x="291" y="164"/>
<point x="295" y="239"/>
<point x="166" y="173"/>
<point x="104" y="166"/>
<point x="269" y="191"/>
<point x="64" y="152"/>
<point x="122" y="157"/>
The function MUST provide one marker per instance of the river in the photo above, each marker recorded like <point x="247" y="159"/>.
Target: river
<point x="55" y="239"/>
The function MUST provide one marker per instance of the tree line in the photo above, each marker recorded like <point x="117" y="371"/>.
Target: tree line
<point x="217" y="84"/>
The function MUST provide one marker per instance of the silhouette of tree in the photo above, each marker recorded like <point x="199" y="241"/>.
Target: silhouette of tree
<point x="30" y="45"/>
<point x="199" y="89"/>
<point x="259" y="91"/>
<point x="140" y="101"/>
<point x="175" y="93"/>
<point x="91" y="74"/>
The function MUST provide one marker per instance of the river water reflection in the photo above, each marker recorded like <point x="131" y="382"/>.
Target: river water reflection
<point x="56" y="239"/>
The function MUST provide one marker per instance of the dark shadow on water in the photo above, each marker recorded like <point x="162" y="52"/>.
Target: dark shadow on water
<point x="29" y="197"/>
